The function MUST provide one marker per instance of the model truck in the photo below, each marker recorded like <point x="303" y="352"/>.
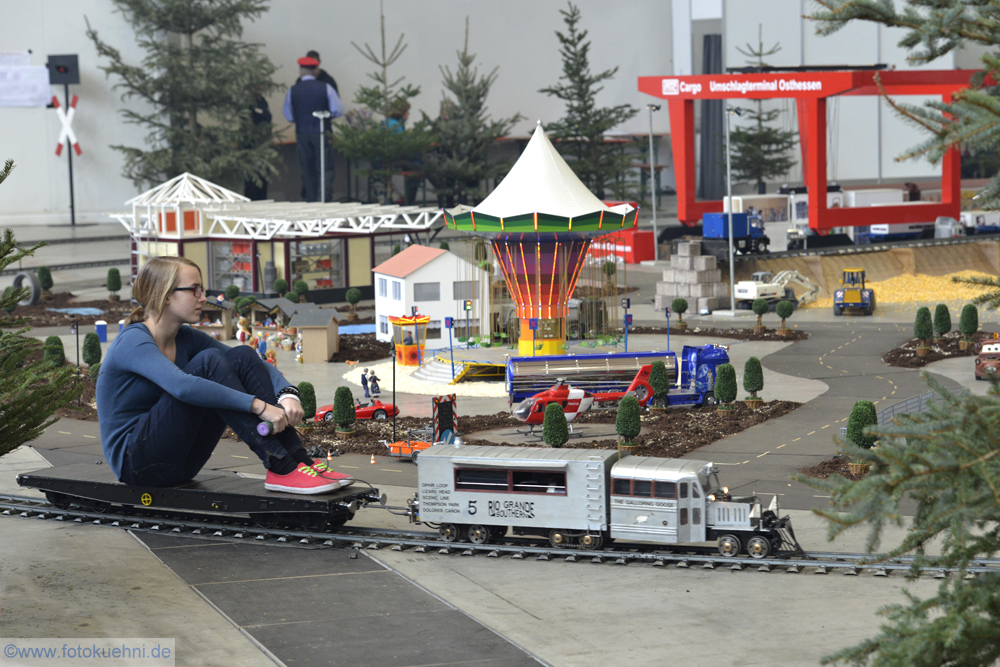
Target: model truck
<point x="853" y="293"/>
<point x="748" y="234"/>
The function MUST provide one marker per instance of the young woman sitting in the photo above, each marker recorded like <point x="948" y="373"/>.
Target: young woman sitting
<point x="166" y="393"/>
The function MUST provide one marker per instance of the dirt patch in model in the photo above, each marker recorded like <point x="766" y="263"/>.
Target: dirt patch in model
<point x="734" y="333"/>
<point x="669" y="433"/>
<point x="838" y="465"/>
<point x="42" y="316"/>
<point x="905" y="356"/>
<point x="361" y="347"/>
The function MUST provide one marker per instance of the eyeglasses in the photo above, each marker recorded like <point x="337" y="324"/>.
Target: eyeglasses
<point x="197" y="290"/>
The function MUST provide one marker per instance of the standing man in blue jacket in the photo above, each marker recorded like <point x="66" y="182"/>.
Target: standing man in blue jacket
<point x="305" y="97"/>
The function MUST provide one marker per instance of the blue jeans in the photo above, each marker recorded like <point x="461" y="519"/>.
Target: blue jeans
<point x="172" y="443"/>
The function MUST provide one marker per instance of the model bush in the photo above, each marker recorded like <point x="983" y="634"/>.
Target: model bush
<point x="555" y="429"/>
<point x="753" y="377"/>
<point x="968" y="321"/>
<point x="396" y="249"/>
<point x="760" y="308"/>
<point x="114" y="282"/>
<point x="659" y="380"/>
<point x="9" y="303"/>
<point x="627" y="423"/>
<point x="307" y="394"/>
<point x="353" y="296"/>
<point x="94" y="371"/>
<point x="863" y="415"/>
<point x="923" y="328"/>
<point x="610" y="270"/>
<point x="444" y="245"/>
<point x="232" y="291"/>
<point x="54" y="353"/>
<point x="292" y="296"/>
<point x="280" y="285"/>
<point x="942" y="320"/>
<point x="91" y="349"/>
<point x="343" y="408"/>
<point x="725" y="384"/>
<point x="243" y="305"/>
<point x="45" y="278"/>
<point x="784" y="310"/>
<point x="301" y="287"/>
<point x="679" y="306"/>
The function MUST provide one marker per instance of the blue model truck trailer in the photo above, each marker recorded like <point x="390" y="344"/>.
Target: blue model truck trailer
<point x="748" y="234"/>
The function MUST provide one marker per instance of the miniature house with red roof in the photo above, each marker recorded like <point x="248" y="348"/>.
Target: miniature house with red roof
<point x="436" y="283"/>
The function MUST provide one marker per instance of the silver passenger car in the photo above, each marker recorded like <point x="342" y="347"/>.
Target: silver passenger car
<point x="659" y="500"/>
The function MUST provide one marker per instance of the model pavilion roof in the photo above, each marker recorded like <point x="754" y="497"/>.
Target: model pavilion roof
<point x="187" y="189"/>
<point x="540" y="193"/>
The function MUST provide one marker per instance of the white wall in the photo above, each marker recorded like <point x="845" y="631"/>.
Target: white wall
<point x="517" y="35"/>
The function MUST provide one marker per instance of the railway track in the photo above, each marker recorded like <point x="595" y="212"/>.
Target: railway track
<point x="237" y="529"/>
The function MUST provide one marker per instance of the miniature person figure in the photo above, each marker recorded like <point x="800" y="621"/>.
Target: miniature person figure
<point x="407" y="338"/>
<point x="262" y="347"/>
<point x="298" y="346"/>
<point x="167" y="392"/>
<point x="242" y="330"/>
<point x="271" y="357"/>
<point x="373" y="383"/>
<point x="364" y="382"/>
<point x="268" y="322"/>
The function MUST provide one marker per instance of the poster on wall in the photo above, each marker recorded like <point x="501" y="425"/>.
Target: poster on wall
<point x="22" y="85"/>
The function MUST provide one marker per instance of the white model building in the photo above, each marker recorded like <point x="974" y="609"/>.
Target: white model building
<point x="437" y="282"/>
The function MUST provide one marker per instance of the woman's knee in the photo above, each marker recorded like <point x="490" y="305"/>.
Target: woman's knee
<point x="241" y="353"/>
<point x="209" y="362"/>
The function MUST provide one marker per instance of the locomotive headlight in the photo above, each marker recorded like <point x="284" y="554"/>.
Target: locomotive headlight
<point x="711" y="498"/>
<point x="725" y="489"/>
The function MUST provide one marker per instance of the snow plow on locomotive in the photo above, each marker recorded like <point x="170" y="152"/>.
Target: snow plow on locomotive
<point x="587" y="498"/>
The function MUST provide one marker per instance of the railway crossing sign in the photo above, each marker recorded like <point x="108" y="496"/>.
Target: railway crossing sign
<point x="66" y="118"/>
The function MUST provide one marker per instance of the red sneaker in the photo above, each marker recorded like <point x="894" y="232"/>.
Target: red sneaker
<point x="303" y="480"/>
<point x="326" y="472"/>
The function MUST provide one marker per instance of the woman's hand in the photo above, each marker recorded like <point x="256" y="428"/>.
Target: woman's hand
<point x="277" y="417"/>
<point x="293" y="410"/>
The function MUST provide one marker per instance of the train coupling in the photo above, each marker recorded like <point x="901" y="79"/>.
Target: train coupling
<point x="413" y="510"/>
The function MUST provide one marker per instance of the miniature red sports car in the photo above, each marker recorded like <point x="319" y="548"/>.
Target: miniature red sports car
<point x="376" y="409"/>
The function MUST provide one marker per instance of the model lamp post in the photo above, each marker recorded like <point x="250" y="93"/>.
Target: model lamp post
<point x="729" y="194"/>
<point x="541" y="220"/>
<point x="652" y="181"/>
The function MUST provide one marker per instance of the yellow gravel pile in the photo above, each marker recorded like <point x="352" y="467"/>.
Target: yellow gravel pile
<point x="917" y="289"/>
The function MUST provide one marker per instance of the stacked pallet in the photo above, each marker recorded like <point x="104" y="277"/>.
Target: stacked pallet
<point x="694" y="277"/>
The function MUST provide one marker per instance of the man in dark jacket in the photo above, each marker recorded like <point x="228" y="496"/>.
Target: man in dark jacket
<point x="304" y="98"/>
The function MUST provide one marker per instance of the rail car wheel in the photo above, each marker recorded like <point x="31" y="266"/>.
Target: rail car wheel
<point x="590" y="541"/>
<point x="99" y="506"/>
<point x="379" y="414"/>
<point x="58" y="500"/>
<point x="729" y="545"/>
<point x="448" y="532"/>
<point x="265" y="519"/>
<point x="339" y="521"/>
<point x="479" y="534"/>
<point x="759" y="547"/>
<point x="559" y="538"/>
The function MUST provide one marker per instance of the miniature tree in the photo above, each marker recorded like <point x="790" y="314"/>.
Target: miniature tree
<point x="54" y="353"/>
<point x="307" y="395"/>
<point x="45" y="281"/>
<point x="753" y="377"/>
<point x="32" y="389"/>
<point x="194" y="91"/>
<point x="923" y="328"/>
<point x="91" y="349"/>
<point x="968" y="322"/>
<point x="784" y="310"/>
<point x="444" y="245"/>
<point x="114" y="283"/>
<point x="760" y="308"/>
<point x="680" y="307"/>
<point x="555" y="429"/>
<point x="579" y="137"/>
<point x="292" y="296"/>
<point x="9" y="304"/>
<point x="232" y="291"/>
<point x="862" y="415"/>
<point x="280" y="285"/>
<point x="659" y="380"/>
<point x="942" y="320"/>
<point x="246" y="305"/>
<point x="344" y="415"/>
<point x="301" y="287"/>
<point x="396" y="249"/>
<point x="94" y="371"/>
<point x="353" y="296"/>
<point x="628" y="423"/>
<point x="725" y="385"/>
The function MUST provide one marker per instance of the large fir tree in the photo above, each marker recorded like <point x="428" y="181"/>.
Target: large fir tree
<point x="760" y="151"/>
<point x="196" y="87"/>
<point x="465" y="134"/>
<point x="367" y="133"/>
<point x="579" y="137"/>
<point x="32" y="390"/>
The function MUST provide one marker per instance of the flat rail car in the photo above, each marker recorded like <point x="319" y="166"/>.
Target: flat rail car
<point x="210" y="494"/>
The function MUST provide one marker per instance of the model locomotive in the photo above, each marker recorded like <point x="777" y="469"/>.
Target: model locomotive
<point x="587" y="497"/>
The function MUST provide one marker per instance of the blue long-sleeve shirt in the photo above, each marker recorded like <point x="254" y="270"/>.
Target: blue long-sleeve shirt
<point x="135" y="374"/>
<point x="333" y="100"/>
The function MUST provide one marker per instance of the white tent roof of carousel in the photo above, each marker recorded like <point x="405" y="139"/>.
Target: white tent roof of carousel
<point x="541" y="182"/>
<point x="187" y="189"/>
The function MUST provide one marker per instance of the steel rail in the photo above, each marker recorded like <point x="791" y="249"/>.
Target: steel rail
<point x="240" y="529"/>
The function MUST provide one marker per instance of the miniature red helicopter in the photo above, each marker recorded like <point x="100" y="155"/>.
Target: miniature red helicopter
<point x="574" y="401"/>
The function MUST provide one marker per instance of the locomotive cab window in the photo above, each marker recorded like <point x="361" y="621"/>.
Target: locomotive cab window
<point x="694" y="491"/>
<point x="621" y="487"/>
<point x="665" y="490"/>
<point x="684" y="489"/>
<point x="642" y="488"/>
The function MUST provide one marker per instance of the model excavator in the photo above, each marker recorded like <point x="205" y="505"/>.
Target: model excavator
<point x="774" y="288"/>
